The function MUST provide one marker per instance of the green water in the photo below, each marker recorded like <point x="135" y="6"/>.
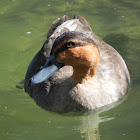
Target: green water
<point x="117" y="22"/>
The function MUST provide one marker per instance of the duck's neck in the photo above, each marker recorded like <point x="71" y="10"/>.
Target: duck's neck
<point x="82" y="74"/>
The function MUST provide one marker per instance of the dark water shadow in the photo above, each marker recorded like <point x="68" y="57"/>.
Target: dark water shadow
<point x="118" y="42"/>
<point x="20" y="85"/>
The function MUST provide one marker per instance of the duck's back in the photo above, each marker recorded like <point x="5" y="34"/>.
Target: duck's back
<point x="59" y="93"/>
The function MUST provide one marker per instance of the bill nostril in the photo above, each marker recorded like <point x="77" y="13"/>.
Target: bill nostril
<point x="50" y="63"/>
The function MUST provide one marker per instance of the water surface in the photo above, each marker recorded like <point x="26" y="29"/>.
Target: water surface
<point x="23" y="28"/>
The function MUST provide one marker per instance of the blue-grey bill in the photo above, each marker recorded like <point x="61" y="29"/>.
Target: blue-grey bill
<point x="43" y="75"/>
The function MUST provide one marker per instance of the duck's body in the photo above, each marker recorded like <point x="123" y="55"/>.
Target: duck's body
<point x="78" y="87"/>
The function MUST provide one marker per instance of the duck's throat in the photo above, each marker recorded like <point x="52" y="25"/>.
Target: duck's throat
<point x="82" y="74"/>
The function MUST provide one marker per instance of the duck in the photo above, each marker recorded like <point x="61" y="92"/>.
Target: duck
<point x="75" y="70"/>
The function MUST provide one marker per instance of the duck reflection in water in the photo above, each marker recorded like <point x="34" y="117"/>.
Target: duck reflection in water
<point x="90" y="121"/>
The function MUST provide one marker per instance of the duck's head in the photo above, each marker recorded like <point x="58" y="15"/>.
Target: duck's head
<point x="74" y="49"/>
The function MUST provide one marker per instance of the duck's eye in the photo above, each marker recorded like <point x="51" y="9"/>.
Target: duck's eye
<point x="70" y="44"/>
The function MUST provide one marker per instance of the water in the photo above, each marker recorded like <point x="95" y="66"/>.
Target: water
<point x="23" y="27"/>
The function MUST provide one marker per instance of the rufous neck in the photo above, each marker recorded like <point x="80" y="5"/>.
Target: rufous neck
<point x="82" y="74"/>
